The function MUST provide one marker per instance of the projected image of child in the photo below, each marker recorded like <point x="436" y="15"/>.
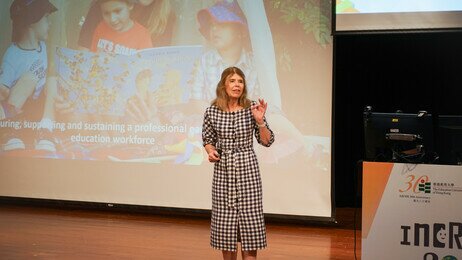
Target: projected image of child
<point x="118" y="33"/>
<point x="226" y="29"/>
<point x="155" y="15"/>
<point x="26" y="93"/>
<point x="112" y="101"/>
<point x="224" y="26"/>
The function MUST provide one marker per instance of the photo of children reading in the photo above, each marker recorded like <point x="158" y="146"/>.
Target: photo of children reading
<point x="149" y="64"/>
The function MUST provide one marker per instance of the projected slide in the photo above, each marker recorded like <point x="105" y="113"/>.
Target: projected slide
<point x="395" y="14"/>
<point x="125" y="85"/>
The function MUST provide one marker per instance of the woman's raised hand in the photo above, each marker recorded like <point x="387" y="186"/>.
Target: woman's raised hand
<point x="259" y="110"/>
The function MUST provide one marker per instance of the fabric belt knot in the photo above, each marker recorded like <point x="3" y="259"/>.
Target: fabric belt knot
<point x="229" y="157"/>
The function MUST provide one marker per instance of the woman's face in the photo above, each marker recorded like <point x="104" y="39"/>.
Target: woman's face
<point x="41" y="28"/>
<point x="117" y="15"/>
<point x="225" y="35"/>
<point x="234" y="86"/>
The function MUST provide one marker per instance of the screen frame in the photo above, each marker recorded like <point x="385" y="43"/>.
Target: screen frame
<point x="377" y="30"/>
<point x="332" y="198"/>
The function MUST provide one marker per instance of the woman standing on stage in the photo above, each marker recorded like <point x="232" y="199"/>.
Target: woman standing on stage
<point x="228" y="129"/>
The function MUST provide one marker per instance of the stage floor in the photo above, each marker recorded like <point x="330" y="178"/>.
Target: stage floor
<point x="28" y="232"/>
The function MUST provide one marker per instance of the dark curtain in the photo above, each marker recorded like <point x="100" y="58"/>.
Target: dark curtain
<point x="399" y="71"/>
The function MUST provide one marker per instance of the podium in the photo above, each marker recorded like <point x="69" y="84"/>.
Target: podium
<point x="411" y="211"/>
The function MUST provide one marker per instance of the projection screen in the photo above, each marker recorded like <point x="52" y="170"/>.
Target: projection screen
<point x="363" y="15"/>
<point x="119" y="119"/>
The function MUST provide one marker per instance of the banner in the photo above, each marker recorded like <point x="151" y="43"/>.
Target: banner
<point x="411" y="211"/>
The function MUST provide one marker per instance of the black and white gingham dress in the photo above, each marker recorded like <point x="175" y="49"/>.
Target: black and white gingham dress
<point x="237" y="207"/>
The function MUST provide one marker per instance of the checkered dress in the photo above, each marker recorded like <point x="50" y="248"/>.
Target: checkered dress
<point x="237" y="207"/>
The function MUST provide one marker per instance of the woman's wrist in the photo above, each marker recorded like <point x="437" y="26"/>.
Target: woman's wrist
<point x="209" y="148"/>
<point x="261" y="125"/>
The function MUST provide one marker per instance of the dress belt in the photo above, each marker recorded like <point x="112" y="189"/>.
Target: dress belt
<point x="229" y="157"/>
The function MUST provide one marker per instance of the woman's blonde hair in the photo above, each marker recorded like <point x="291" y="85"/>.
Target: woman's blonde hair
<point x="221" y="101"/>
<point x="157" y="21"/>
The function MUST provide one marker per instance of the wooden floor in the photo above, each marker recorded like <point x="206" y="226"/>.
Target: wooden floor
<point x="28" y="232"/>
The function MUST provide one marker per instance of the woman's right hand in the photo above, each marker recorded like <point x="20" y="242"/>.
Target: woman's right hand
<point x="214" y="156"/>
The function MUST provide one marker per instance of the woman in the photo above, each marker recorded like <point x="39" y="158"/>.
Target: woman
<point x="237" y="208"/>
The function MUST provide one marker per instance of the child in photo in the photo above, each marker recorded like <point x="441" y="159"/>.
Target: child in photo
<point x="25" y="91"/>
<point x="118" y="33"/>
<point x="226" y="29"/>
<point x="156" y="16"/>
<point x="224" y="26"/>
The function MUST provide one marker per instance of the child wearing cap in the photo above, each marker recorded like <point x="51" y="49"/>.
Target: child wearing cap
<point x="224" y="26"/>
<point x="118" y="33"/>
<point x="226" y="29"/>
<point x="23" y="75"/>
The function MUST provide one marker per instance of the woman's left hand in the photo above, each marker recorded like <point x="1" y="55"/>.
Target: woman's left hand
<point x="259" y="110"/>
